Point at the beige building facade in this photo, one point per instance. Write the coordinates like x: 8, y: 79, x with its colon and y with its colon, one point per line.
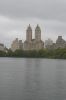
x: 48, y: 43
x: 29, y: 43
x: 33, y: 44
x: 16, y: 44
x: 60, y: 43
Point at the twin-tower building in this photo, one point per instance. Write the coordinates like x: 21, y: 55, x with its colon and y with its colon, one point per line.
x: 33, y: 44
x: 29, y: 43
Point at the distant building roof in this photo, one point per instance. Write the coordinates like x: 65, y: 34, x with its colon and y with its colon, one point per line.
x: 60, y: 40
x: 37, y: 27
x: 1, y: 44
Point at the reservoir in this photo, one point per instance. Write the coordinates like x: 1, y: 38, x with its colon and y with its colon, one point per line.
x: 32, y: 79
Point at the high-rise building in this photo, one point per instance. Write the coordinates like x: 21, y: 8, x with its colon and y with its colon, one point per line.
x: 33, y: 44
x: 60, y: 40
x: 48, y: 43
x: 60, y: 43
x: 16, y: 44
x: 29, y: 43
x: 38, y: 33
x: 29, y: 34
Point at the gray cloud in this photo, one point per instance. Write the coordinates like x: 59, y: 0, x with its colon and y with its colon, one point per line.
x: 46, y: 9
x: 15, y: 15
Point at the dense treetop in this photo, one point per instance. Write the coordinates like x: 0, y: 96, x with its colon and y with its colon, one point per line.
x: 44, y: 53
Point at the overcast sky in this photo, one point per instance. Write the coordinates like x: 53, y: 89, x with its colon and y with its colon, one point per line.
x: 16, y: 15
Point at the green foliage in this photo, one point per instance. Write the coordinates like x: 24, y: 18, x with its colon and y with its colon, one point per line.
x: 9, y: 53
x: 2, y: 54
x: 44, y: 53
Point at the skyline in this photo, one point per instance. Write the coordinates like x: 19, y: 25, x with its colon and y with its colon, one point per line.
x: 16, y: 15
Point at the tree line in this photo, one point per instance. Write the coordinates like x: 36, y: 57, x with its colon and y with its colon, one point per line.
x: 44, y: 53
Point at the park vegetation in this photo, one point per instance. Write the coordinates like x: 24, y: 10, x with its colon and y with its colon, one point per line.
x: 44, y: 53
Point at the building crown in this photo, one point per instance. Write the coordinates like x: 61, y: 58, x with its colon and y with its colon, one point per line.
x: 37, y: 27
x: 29, y: 28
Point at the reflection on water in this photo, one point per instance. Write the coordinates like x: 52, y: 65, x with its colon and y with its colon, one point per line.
x: 60, y: 93
x: 32, y: 79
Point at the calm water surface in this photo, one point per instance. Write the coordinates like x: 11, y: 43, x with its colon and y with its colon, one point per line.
x: 32, y: 79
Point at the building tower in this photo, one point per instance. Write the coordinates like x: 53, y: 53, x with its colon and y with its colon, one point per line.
x: 37, y: 33
x: 29, y: 34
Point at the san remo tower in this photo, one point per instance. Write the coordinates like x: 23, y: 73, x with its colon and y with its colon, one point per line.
x: 29, y: 34
x: 33, y: 44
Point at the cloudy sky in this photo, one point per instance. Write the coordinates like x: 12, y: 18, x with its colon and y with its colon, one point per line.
x: 16, y: 15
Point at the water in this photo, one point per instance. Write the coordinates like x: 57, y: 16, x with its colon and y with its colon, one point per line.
x: 32, y: 79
